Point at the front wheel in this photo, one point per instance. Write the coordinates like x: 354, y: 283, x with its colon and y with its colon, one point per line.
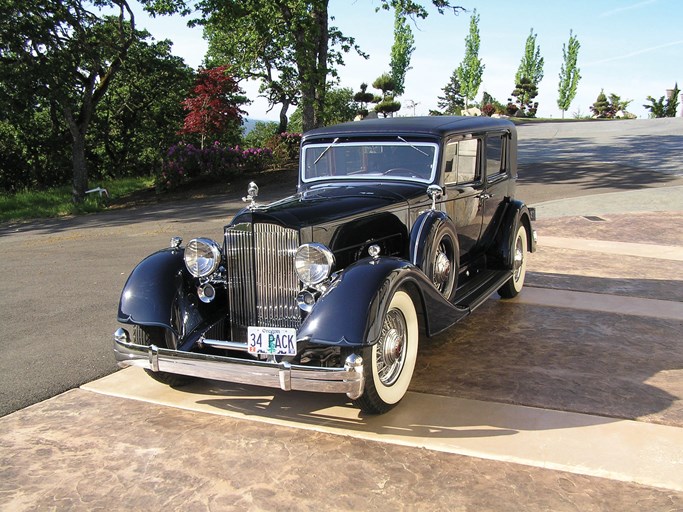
x: 389, y: 363
x: 514, y: 285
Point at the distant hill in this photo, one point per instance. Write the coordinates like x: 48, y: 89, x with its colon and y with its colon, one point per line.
x: 249, y: 124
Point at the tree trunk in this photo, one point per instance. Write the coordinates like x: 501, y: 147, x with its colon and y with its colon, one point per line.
x: 80, y: 169
x: 283, y: 116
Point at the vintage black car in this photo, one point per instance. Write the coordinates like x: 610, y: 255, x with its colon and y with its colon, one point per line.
x: 398, y: 229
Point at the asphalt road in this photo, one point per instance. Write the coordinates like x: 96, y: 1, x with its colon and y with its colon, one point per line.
x: 62, y: 277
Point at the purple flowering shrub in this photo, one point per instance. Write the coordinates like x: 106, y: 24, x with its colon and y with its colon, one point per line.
x: 285, y: 147
x: 183, y: 162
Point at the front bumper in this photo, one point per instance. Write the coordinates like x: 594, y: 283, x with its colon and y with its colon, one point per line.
x: 286, y: 376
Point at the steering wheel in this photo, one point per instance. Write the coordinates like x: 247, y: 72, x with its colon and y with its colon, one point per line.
x: 400, y: 171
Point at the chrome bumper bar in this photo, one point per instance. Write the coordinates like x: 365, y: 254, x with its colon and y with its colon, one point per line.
x: 286, y: 376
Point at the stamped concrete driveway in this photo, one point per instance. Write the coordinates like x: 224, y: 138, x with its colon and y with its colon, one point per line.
x: 62, y: 277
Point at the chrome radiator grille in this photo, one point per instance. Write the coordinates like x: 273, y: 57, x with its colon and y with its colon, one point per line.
x: 262, y: 282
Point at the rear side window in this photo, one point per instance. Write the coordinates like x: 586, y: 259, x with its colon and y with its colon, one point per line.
x: 495, y: 156
x: 461, y: 161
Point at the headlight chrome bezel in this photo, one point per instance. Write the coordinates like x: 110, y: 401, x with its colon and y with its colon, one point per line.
x: 313, y: 263
x: 202, y: 257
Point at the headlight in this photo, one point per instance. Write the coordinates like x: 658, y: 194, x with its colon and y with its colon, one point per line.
x: 313, y: 263
x: 202, y: 257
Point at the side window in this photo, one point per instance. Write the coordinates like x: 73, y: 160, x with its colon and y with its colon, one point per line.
x: 495, y: 162
x: 461, y: 161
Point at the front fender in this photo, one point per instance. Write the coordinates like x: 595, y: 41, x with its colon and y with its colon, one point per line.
x: 148, y: 295
x: 351, y: 311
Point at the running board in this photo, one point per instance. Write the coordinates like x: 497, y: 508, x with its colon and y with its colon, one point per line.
x: 474, y: 293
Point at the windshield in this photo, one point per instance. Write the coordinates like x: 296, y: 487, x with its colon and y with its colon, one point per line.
x: 369, y: 160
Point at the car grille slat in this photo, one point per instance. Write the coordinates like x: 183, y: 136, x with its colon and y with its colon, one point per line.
x: 262, y: 282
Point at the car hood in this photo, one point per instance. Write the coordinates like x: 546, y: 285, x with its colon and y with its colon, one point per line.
x: 326, y: 203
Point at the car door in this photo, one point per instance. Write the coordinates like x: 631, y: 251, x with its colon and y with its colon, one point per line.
x: 496, y: 182
x: 463, y: 185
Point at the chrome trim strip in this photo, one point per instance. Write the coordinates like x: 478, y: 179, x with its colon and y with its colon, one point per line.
x: 227, y: 345
x: 283, y: 375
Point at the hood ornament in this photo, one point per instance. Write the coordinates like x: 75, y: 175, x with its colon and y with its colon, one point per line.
x: 252, y: 194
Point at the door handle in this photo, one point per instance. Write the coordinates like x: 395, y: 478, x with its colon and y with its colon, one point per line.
x: 485, y: 195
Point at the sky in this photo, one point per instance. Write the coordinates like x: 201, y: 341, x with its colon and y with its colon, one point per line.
x: 633, y: 49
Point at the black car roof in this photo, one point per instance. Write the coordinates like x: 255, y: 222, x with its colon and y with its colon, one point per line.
x: 425, y: 126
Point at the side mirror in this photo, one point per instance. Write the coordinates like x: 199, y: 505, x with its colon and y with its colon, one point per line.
x: 434, y: 192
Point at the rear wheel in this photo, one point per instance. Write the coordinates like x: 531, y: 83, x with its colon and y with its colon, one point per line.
x: 162, y: 338
x: 389, y: 363
x: 514, y: 285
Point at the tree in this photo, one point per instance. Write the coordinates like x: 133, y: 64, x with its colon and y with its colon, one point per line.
x: 661, y: 108
x: 70, y: 56
x: 601, y: 106
x: 452, y: 102
x: 243, y: 38
x: 529, y: 75
x: 569, y: 74
x: 531, y: 65
x: 213, y: 109
x: 401, y: 51
x: 139, y: 117
x: 387, y: 104
x: 302, y: 29
x: 340, y: 107
x: 471, y: 69
x: 525, y: 91
x: 362, y: 98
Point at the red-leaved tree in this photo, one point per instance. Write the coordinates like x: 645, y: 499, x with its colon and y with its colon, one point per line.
x: 213, y: 109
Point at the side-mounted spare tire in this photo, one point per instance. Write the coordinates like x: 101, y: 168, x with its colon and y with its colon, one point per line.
x: 436, y: 253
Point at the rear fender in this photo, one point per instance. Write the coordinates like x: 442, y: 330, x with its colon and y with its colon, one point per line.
x: 517, y: 214
x: 351, y: 311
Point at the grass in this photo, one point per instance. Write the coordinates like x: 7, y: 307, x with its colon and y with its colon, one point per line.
x: 56, y: 202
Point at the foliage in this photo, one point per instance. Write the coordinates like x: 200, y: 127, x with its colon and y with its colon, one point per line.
x: 66, y: 56
x: 299, y: 29
x: 213, y: 108
x: 401, y: 51
x: 262, y: 132
x: 569, y: 73
x: 362, y: 98
x: 471, y: 69
x: 528, y: 76
x: 386, y: 104
x: 339, y: 107
x: 525, y: 91
x: 662, y: 108
x: 488, y: 100
x: 601, y: 105
x: 285, y: 148
x: 531, y: 65
x: 183, y: 162
x: 138, y: 118
x: 452, y: 102
x: 609, y: 107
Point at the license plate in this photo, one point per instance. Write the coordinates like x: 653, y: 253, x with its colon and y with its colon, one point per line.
x: 271, y: 340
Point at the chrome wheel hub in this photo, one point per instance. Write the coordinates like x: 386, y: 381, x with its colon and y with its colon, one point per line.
x: 519, y: 258
x: 391, y: 351
x: 442, y: 269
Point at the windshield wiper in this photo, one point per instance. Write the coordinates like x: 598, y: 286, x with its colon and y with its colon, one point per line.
x: 325, y: 150
x: 414, y: 147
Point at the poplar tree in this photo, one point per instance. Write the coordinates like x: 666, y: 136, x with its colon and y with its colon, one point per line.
x: 569, y: 74
x: 401, y: 51
x: 471, y: 69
